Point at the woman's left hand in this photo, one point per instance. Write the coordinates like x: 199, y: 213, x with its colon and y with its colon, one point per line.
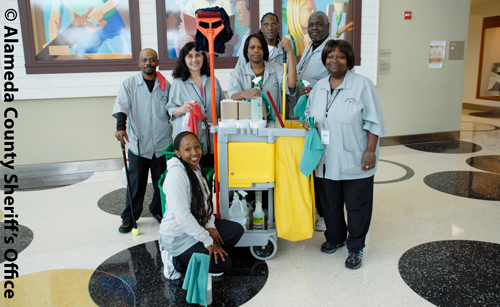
x: 214, y: 233
x: 369, y: 159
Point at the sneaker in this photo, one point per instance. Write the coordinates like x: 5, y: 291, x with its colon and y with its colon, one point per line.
x: 330, y: 248
x: 353, y: 260
x: 126, y: 227
x: 169, y: 270
x: 158, y: 217
x: 320, y: 224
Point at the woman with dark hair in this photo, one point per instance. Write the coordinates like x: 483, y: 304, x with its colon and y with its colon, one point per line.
x: 192, y: 84
x: 189, y: 226
x: 348, y: 114
x: 256, y: 54
x: 269, y: 28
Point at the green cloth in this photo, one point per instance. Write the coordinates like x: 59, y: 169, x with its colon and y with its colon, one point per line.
x: 196, y: 279
x: 300, y: 108
x: 270, y: 110
x: 313, y: 150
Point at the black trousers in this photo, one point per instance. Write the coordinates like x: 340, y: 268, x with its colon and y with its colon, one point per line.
x: 230, y: 233
x: 138, y: 176
x: 357, y: 195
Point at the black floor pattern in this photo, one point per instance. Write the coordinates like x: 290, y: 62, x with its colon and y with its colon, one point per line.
x: 448, y: 147
x: 114, y: 201
x: 133, y: 277
x: 22, y: 239
x: 48, y: 182
x: 485, y: 163
x: 476, y: 185
x: 488, y: 114
x: 454, y: 273
x: 478, y: 127
x: 409, y: 173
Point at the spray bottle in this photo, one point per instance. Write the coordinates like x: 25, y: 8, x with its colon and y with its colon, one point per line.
x: 237, y: 213
x: 256, y: 105
x: 258, y: 214
x: 185, y: 120
x: 244, y: 204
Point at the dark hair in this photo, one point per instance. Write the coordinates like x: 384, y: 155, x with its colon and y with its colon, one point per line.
x: 182, y: 71
x: 263, y: 42
x: 344, y: 47
x: 277, y: 20
x: 200, y: 213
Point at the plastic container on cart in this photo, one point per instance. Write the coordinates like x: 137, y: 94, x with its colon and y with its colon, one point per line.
x: 258, y: 217
x: 238, y: 213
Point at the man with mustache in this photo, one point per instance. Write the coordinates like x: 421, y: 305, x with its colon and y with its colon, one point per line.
x: 142, y: 99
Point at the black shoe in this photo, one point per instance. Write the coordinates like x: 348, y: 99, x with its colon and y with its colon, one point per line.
x: 353, y: 260
x: 158, y: 217
x: 330, y: 248
x: 126, y: 227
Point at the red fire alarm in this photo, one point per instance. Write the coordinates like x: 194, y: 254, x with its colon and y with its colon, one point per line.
x: 407, y: 14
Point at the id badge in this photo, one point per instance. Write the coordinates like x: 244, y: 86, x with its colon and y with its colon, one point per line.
x: 325, y: 136
x: 203, y: 126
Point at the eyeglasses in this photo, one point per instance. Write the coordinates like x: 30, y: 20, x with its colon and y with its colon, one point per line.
x: 270, y: 25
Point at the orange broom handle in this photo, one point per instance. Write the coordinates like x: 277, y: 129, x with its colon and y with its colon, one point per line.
x: 210, y: 34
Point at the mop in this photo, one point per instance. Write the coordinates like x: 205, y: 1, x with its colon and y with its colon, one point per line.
x: 211, y: 17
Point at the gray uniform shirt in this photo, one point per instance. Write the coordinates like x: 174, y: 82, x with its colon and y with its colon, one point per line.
x: 149, y: 127
x: 310, y: 66
x: 182, y: 91
x: 353, y: 110
x: 242, y: 76
x: 275, y: 56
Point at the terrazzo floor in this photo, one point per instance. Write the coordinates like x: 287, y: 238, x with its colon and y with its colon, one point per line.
x: 431, y: 242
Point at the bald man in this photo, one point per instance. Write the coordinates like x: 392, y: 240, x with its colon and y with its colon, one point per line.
x: 142, y: 99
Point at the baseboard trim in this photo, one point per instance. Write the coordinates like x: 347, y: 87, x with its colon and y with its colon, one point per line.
x: 479, y: 107
x: 419, y: 138
x: 52, y: 169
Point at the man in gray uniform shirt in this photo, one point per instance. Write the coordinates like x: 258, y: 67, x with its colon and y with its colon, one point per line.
x: 311, y: 67
x: 142, y: 99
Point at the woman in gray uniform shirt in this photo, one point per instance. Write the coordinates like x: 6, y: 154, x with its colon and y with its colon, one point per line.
x: 256, y: 54
x: 192, y: 83
x: 347, y: 112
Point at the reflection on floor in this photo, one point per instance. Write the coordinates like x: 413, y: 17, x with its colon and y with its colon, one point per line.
x: 435, y: 219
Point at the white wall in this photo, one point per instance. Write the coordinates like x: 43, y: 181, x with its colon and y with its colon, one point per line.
x: 415, y: 98
x: 479, y: 10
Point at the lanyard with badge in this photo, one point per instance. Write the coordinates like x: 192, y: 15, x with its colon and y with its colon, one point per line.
x: 304, y: 64
x: 325, y: 132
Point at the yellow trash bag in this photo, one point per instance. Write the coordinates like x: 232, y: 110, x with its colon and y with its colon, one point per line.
x: 294, y: 193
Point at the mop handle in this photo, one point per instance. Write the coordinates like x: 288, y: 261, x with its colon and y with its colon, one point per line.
x: 275, y: 109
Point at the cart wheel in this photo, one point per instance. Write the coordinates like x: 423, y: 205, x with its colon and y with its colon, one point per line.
x: 265, y: 252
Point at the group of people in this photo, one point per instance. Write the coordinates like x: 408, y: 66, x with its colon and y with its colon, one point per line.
x: 155, y: 109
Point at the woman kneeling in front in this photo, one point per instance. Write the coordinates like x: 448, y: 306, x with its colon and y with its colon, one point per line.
x: 189, y: 226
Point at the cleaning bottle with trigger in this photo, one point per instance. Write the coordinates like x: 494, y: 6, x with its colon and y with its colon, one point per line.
x: 237, y: 213
x: 258, y: 214
x: 244, y: 204
x: 185, y: 120
x: 256, y: 106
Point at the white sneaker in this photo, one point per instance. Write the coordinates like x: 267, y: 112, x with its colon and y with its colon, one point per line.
x: 169, y: 270
x: 320, y: 224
